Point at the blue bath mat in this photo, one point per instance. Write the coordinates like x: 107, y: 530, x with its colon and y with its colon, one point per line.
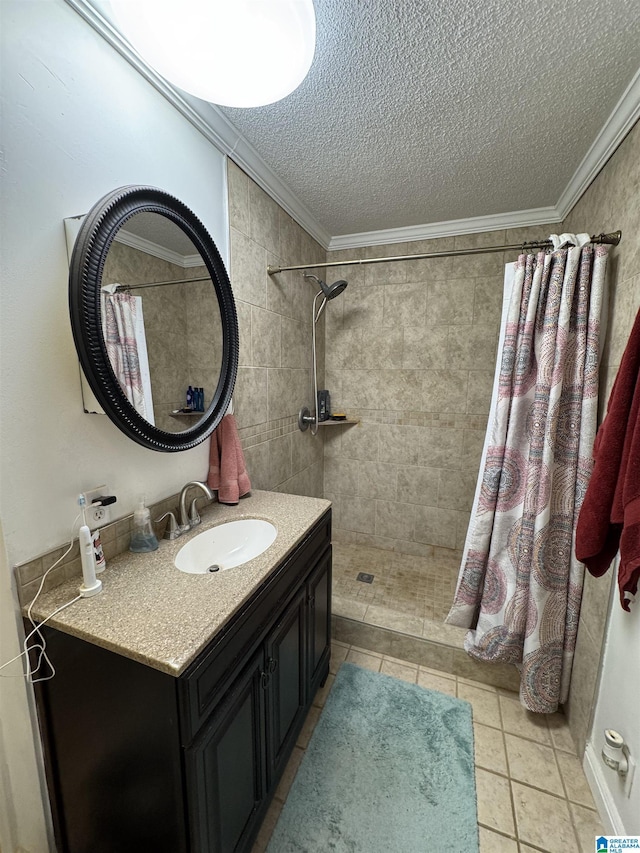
x: 389, y: 769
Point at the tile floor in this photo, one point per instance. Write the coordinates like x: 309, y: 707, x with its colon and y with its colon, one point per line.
x: 532, y: 792
x: 408, y: 594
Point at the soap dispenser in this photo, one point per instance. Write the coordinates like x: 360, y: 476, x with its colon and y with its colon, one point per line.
x: 142, y: 538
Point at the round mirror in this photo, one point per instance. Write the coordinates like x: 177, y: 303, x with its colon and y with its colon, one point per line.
x: 153, y: 318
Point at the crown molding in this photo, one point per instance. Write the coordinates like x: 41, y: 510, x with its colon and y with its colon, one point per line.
x: 448, y: 228
x: 151, y: 248
x: 625, y: 114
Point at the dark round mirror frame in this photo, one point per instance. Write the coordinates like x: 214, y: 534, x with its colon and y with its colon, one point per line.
x: 90, y: 251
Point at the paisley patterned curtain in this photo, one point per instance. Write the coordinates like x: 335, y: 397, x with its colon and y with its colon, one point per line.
x: 520, y: 585
x: 120, y: 334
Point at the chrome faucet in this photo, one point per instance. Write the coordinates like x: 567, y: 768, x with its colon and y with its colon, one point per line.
x: 191, y: 520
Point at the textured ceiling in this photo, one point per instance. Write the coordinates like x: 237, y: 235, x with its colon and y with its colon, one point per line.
x: 419, y: 112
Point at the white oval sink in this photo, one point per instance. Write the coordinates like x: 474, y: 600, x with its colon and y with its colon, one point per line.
x: 225, y: 546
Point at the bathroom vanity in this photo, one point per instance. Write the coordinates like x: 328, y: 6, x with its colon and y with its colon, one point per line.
x: 163, y: 732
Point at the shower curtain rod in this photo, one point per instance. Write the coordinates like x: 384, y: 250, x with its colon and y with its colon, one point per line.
x: 161, y: 283
x: 611, y: 239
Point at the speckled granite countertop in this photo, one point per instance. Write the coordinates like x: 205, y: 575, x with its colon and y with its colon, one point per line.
x: 153, y: 613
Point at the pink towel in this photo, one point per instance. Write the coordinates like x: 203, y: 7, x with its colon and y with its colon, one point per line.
x: 227, y: 469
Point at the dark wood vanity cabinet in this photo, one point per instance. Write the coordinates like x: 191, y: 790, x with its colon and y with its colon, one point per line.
x: 190, y: 763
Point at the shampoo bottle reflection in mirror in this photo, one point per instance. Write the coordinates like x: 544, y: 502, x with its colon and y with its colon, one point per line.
x: 190, y: 397
x: 142, y: 537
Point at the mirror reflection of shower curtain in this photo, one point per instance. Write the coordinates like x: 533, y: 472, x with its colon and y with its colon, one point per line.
x: 123, y: 329
x: 520, y: 585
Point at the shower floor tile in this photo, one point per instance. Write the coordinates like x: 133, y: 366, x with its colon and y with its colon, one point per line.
x: 405, y: 591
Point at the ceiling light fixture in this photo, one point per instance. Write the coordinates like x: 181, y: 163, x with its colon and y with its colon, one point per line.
x: 236, y: 53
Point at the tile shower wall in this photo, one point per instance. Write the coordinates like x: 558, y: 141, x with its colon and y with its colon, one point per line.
x: 178, y: 321
x: 411, y: 350
x: 274, y: 316
x: 611, y: 202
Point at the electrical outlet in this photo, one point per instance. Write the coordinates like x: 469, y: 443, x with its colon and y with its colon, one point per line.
x: 96, y: 515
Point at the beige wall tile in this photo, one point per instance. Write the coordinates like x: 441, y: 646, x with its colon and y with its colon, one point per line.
x: 280, y: 463
x: 487, y: 301
x: 360, y: 442
x: 250, y: 396
x: 281, y: 292
x: 243, y: 310
x: 444, y: 391
x: 265, y: 337
x: 295, y: 343
x: 341, y: 476
x: 450, y: 302
x: 441, y: 447
x: 238, y: 197
x: 418, y: 485
x: 480, y: 389
x: 358, y: 514
x: 382, y: 349
x: 425, y: 348
x: 288, y: 390
x: 377, y: 480
x: 363, y: 306
x: 399, y: 444
x: 469, y: 347
x: 248, y: 269
x: 404, y: 305
x: 456, y: 490
x: 393, y: 273
x: 263, y: 219
x: 257, y: 461
x: 435, y: 526
x: 394, y: 520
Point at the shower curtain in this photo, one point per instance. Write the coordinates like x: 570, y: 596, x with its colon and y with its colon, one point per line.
x: 123, y: 329
x: 520, y: 585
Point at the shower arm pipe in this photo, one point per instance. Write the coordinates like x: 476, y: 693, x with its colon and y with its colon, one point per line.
x: 611, y: 239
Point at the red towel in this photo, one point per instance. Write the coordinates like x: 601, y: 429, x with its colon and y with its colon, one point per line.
x: 610, y: 514
x: 227, y: 468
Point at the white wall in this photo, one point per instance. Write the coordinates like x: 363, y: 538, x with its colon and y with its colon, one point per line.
x: 617, y: 707
x: 78, y: 121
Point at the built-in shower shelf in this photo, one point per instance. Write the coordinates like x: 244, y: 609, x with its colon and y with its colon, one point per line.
x: 340, y: 422
x: 186, y: 414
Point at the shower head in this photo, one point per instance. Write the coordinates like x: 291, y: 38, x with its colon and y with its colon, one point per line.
x: 335, y: 289
x: 330, y: 290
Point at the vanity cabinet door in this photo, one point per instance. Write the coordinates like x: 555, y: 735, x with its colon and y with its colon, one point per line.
x: 286, y: 667
x: 319, y: 608
x: 226, y: 767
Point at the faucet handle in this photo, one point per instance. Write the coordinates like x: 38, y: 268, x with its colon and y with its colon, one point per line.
x: 172, y: 531
x: 194, y: 515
